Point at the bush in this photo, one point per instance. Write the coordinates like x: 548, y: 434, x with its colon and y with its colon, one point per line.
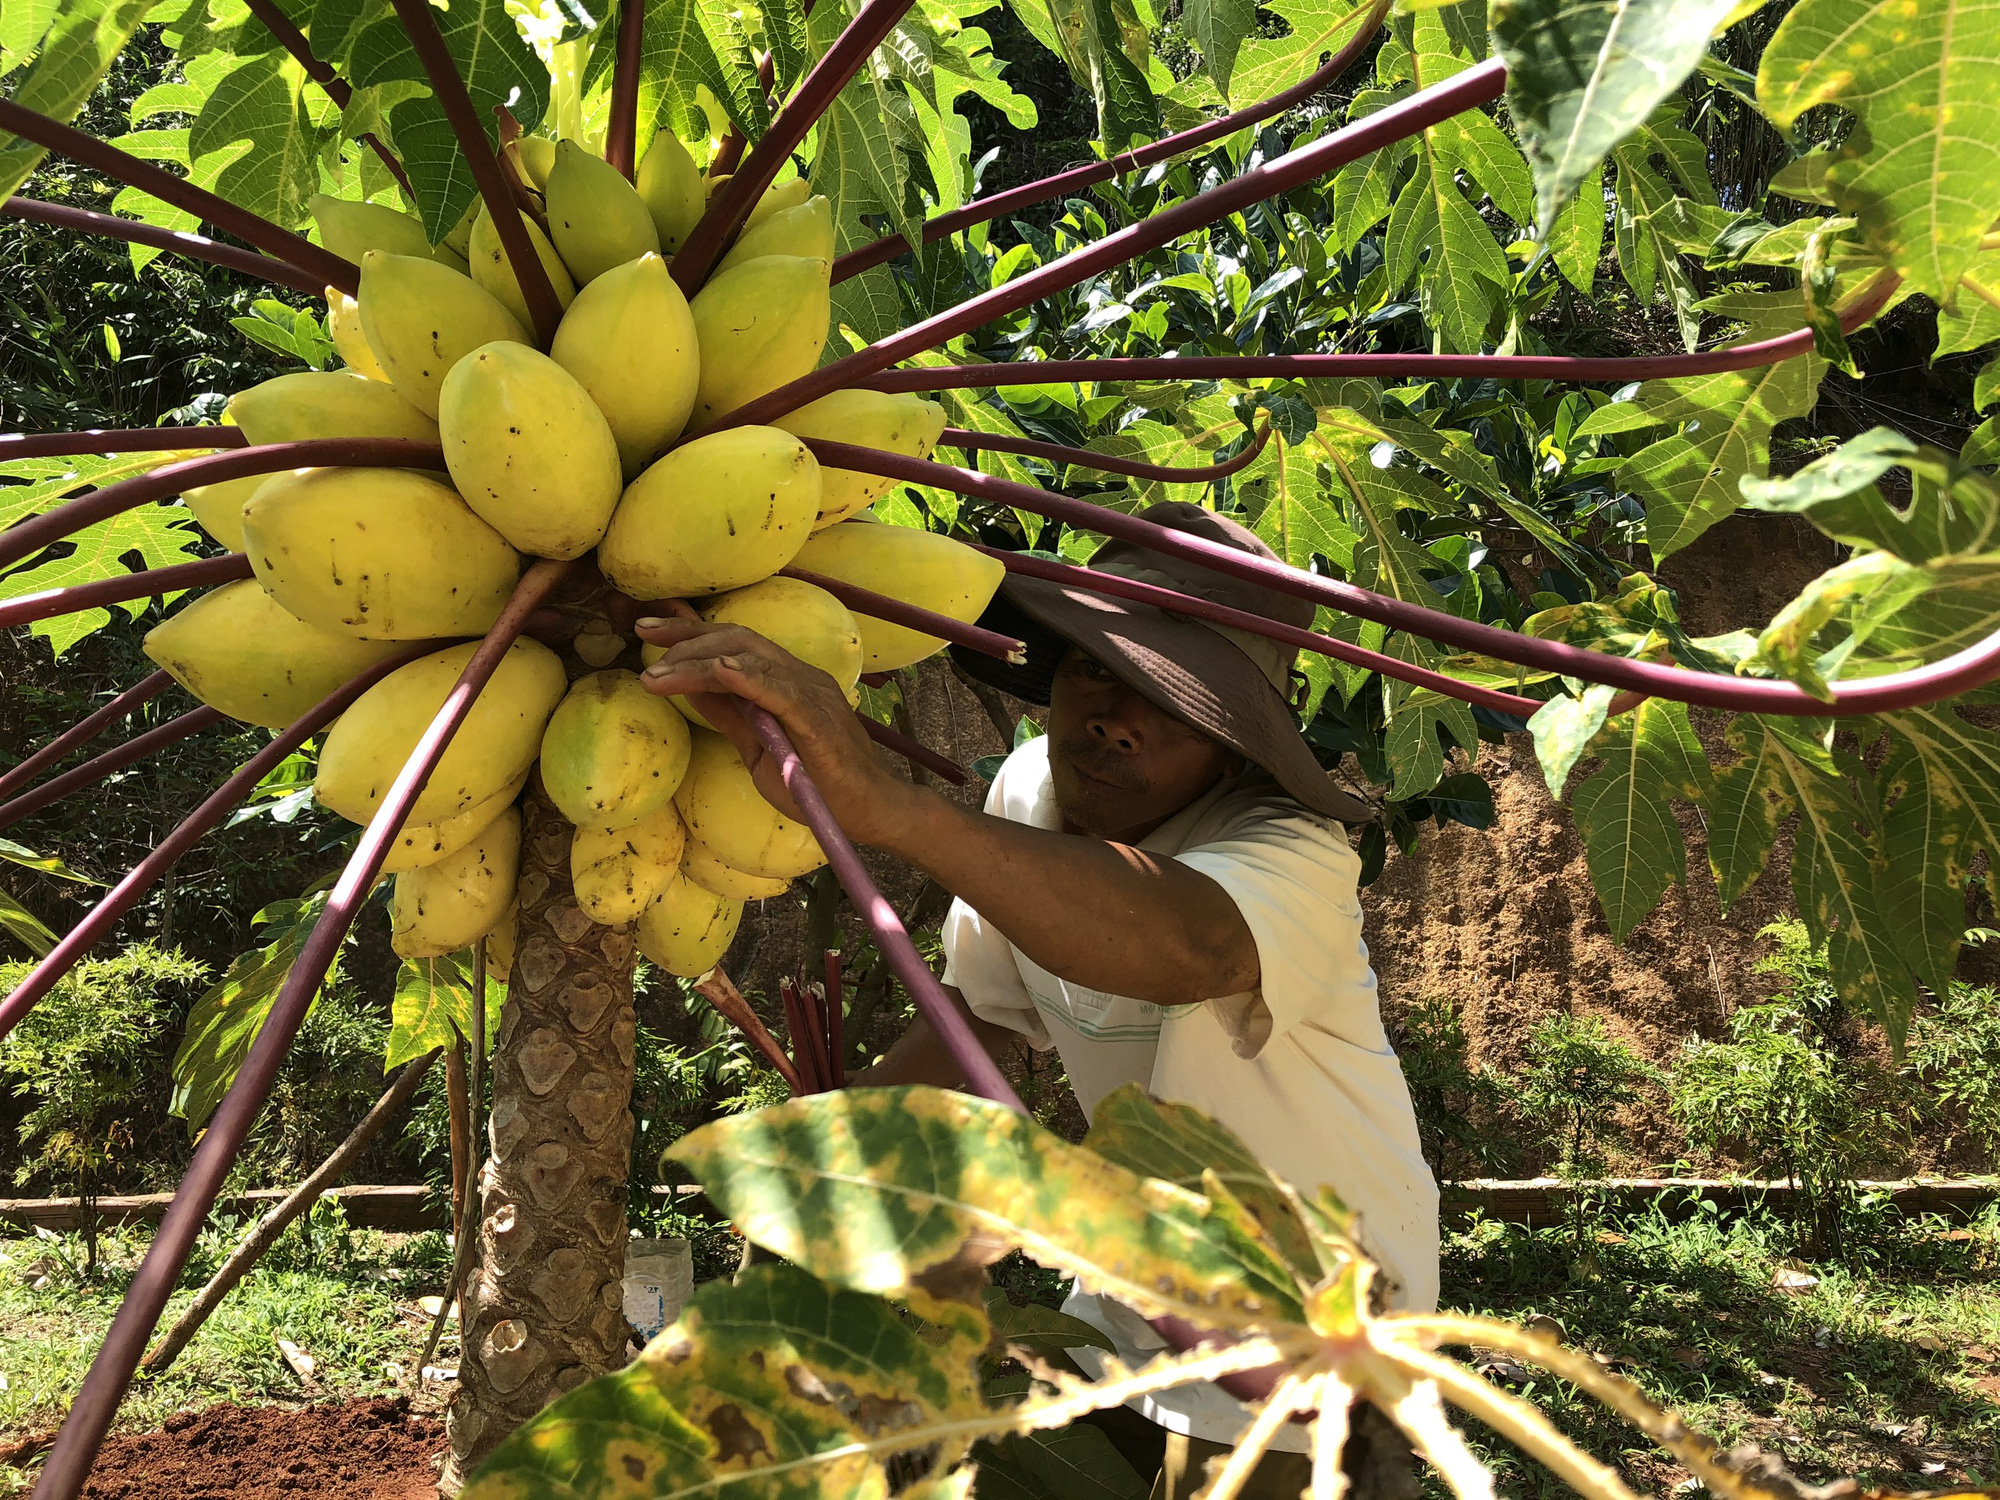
x: 1954, y: 1052
x: 1455, y: 1101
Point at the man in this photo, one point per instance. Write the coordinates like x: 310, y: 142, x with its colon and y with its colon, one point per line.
x: 1160, y: 888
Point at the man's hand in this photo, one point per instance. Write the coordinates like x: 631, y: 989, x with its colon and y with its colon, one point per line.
x: 718, y: 666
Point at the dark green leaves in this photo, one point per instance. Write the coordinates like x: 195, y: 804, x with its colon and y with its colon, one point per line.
x: 1584, y: 74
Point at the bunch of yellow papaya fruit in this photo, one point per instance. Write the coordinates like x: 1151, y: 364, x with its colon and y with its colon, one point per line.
x: 597, y: 443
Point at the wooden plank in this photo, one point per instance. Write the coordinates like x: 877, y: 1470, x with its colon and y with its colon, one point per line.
x: 403, y: 1208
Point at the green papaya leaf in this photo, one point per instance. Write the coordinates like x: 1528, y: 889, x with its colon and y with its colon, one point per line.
x: 67, y: 48
x: 433, y: 1008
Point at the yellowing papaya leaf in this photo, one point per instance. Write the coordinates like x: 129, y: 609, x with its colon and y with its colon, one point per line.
x: 432, y: 1008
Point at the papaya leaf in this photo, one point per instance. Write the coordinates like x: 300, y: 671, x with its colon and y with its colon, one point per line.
x: 433, y: 1008
x: 47, y: 864
x: 1077, y: 1462
x: 1631, y: 843
x: 688, y: 48
x: 1922, y: 169
x: 859, y: 167
x: 1563, y: 729
x: 155, y: 533
x: 25, y: 927
x: 1041, y: 1330
x: 66, y: 48
x: 1218, y: 28
x: 1266, y: 64
x: 1582, y: 75
x: 888, y: 1190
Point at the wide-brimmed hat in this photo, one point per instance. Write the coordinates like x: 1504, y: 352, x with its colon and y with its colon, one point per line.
x: 1233, y: 686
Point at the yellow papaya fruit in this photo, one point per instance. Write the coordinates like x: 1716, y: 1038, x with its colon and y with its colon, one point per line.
x: 343, y: 326
x: 670, y: 184
x: 494, y: 272
x: 455, y: 902
x: 905, y: 424
x: 616, y: 875
x: 629, y: 340
x: 528, y: 450
x: 383, y: 554
x: 326, y: 404
x: 350, y: 230
x: 421, y: 318
x: 236, y: 650
x: 687, y: 930
x: 597, y: 218
x: 806, y: 621
x: 778, y: 197
x: 493, y: 748
x: 613, y: 753
x: 706, y: 869
x: 806, y: 230
x: 501, y: 942
x: 710, y: 186
x: 714, y: 514
x: 759, y: 326
x: 218, y: 508
x: 420, y: 844
x: 453, y: 250
x: 919, y: 567
x: 723, y: 809
x: 534, y: 154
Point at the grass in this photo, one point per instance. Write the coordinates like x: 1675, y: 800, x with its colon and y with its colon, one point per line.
x: 347, y: 1298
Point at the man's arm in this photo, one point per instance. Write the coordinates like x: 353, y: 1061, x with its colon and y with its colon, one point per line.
x: 1106, y: 916
x: 919, y: 1057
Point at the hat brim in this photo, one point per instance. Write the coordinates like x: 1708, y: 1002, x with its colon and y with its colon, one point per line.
x: 1180, y: 666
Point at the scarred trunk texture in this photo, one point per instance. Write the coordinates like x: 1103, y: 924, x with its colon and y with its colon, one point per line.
x: 543, y: 1311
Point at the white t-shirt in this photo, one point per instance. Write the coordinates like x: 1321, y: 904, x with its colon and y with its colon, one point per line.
x: 1299, y: 1068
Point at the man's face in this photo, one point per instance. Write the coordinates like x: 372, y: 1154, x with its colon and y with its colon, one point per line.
x: 1121, y: 766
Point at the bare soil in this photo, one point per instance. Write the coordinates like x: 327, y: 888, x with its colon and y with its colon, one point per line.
x: 351, y: 1450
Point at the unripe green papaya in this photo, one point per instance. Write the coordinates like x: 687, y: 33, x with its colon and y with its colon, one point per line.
x: 494, y: 272
x: 629, y: 340
x: 687, y: 930
x: 455, y: 902
x: 383, y: 554
x: 235, y: 649
x: 723, y: 809
x: 806, y: 230
x: 350, y: 230
x: 535, y: 154
x: 529, y: 450
x: 326, y: 404
x: 597, y: 218
x: 493, y: 748
x: 501, y: 942
x: 760, y: 326
x: 905, y: 424
x: 714, y: 514
x: 919, y: 567
x: 421, y: 318
x: 706, y: 869
x: 797, y: 617
x: 420, y: 844
x: 670, y: 183
x: 613, y: 753
x: 617, y: 875
x: 778, y: 197
x: 343, y: 326
x: 218, y: 508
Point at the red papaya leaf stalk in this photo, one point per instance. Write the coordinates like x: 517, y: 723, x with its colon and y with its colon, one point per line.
x: 178, y: 242
x: 915, y: 616
x: 52, y: 602
x: 914, y: 751
x: 1084, y: 458
x: 98, y: 767
x: 29, y: 537
x: 325, y: 267
x: 335, y: 87
x: 84, y: 730
x: 621, y: 134
x: 19, y: 445
x: 89, y: 1418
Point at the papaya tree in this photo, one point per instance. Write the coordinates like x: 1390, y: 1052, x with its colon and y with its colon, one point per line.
x: 639, y: 311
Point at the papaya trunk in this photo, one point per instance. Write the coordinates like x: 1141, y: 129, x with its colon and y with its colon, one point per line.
x: 542, y: 1311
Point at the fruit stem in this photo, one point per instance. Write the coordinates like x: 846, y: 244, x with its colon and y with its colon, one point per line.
x: 105, y: 440
x: 98, y: 767
x: 1958, y: 673
x: 420, y: 22
x: 89, y: 1418
x: 914, y: 617
x: 335, y: 87
x: 125, y: 586
x: 85, y: 730
x: 1072, y: 576
x: 29, y: 537
x: 621, y: 136
x: 982, y: 1074
x: 1083, y: 458
x: 732, y: 203
x: 178, y: 242
x: 865, y: 257
x: 326, y: 268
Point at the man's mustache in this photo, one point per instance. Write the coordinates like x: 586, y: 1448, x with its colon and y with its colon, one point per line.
x: 1084, y: 754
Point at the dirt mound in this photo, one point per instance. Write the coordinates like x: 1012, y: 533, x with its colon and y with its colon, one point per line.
x: 350, y: 1450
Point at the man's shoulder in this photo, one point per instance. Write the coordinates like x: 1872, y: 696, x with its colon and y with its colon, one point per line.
x: 1257, y: 819
x: 1021, y: 787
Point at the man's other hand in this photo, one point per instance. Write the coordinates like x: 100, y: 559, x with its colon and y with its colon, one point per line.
x: 716, y: 666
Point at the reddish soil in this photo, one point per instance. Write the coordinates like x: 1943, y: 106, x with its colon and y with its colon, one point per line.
x: 350, y: 1450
